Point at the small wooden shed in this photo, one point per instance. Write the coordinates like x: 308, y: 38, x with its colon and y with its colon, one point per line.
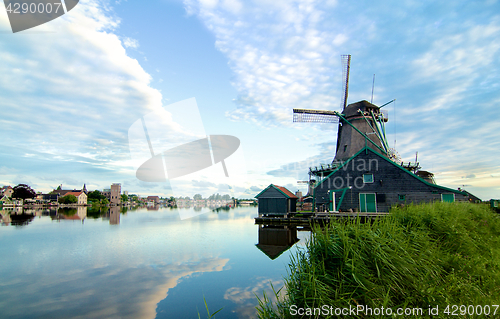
x: 276, y: 201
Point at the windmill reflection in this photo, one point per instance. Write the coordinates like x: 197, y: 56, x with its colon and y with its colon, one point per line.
x: 274, y: 240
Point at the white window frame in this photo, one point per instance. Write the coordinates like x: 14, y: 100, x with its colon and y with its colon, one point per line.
x: 365, y: 182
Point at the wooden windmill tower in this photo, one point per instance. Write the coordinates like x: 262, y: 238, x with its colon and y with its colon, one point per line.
x: 360, y: 124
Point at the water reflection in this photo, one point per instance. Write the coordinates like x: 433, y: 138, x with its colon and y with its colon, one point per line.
x: 152, y: 265
x: 153, y: 207
x: 274, y: 240
x: 222, y: 209
x: 68, y: 213
x: 97, y: 212
x: 20, y: 219
x: 19, y: 216
x: 244, y: 297
x: 114, y: 215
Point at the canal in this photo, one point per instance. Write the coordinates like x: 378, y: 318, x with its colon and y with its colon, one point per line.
x: 144, y: 263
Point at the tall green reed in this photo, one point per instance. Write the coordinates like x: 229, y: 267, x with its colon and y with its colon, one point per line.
x: 418, y: 256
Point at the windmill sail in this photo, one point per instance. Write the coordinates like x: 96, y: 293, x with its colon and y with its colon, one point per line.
x: 315, y: 116
x: 346, y: 65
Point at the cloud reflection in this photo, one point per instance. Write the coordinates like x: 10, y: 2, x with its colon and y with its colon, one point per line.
x: 105, y: 292
x: 245, y: 298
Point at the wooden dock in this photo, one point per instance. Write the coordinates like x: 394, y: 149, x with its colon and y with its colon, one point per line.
x: 309, y: 218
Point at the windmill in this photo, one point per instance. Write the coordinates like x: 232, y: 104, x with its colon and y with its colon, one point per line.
x: 360, y: 124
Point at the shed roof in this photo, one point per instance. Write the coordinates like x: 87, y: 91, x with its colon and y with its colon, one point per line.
x: 273, y: 251
x: 281, y: 189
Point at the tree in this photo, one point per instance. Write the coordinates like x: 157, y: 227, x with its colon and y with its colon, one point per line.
x: 23, y: 191
x: 96, y: 196
x: 124, y: 198
x: 197, y: 197
x: 68, y: 199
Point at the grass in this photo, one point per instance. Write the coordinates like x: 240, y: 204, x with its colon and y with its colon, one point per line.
x: 208, y: 311
x: 418, y: 256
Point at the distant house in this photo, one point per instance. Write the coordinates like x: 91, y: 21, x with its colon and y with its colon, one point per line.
x: 46, y: 198
x: 62, y: 192
x: 50, y: 198
x: 246, y: 202
x: 154, y: 199
x: 80, y: 196
x: 7, y: 191
x: 276, y: 200
x: 5, y: 200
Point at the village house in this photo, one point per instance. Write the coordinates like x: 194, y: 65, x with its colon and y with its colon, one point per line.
x: 7, y: 201
x: 61, y: 192
x: 153, y: 199
x: 80, y: 196
x: 7, y: 191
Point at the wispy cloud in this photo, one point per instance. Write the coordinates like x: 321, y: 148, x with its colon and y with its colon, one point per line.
x: 71, y: 92
x: 279, y: 52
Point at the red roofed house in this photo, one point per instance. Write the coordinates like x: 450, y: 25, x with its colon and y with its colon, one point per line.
x: 276, y: 201
x: 80, y: 195
x: 154, y: 199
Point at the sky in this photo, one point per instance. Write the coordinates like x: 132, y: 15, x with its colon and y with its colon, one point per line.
x: 71, y: 89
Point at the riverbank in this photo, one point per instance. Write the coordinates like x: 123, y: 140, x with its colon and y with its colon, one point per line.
x: 419, y: 257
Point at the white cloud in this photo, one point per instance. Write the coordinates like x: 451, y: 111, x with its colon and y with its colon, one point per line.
x: 130, y: 43
x: 70, y: 90
x: 279, y: 54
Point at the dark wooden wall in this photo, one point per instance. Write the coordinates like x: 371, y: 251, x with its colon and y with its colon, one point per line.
x: 389, y: 182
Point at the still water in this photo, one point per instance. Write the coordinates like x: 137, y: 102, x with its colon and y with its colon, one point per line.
x: 139, y: 263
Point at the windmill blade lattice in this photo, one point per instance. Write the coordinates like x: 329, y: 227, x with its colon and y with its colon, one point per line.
x: 346, y: 66
x: 314, y: 116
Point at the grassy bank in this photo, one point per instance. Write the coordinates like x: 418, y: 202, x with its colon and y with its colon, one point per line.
x: 432, y: 254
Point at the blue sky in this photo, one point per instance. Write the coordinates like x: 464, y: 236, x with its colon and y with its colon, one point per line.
x: 70, y: 89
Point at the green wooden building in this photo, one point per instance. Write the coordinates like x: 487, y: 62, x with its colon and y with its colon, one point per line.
x: 276, y: 201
